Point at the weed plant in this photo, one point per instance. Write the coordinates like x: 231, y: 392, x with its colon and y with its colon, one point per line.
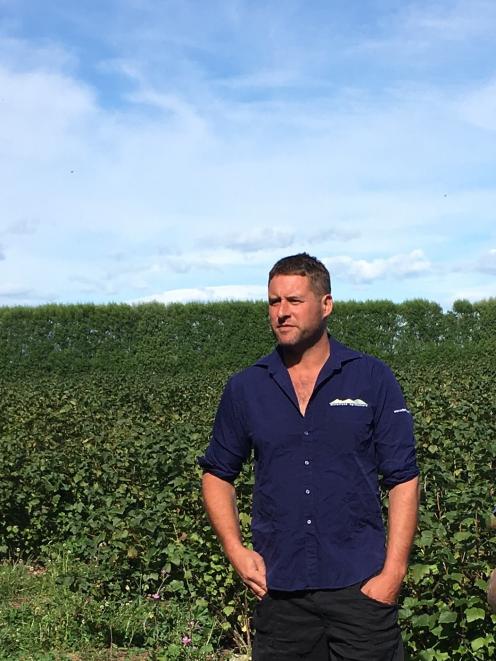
x: 41, y: 619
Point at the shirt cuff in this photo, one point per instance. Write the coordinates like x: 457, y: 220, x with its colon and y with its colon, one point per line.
x: 207, y: 467
x: 399, y: 477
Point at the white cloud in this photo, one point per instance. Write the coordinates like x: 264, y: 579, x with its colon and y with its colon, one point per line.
x: 422, y: 28
x: 205, y: 294
x: 265, y: 239
x: 336, y: 234
x: 186, y: 263
x: 484, y: 263
x: 252, y: 240
x: 216, y: 259
x: 456, y: 21
x: 20, y: 55
x: 479, y: 106
x: 24, y: 226
x: 271, y: 79
x: 396, y: 266
x: 42, y: 113
x: 487, y: 263
x: 173, y: 106
x: 10, y: 290
x: 474, y: 293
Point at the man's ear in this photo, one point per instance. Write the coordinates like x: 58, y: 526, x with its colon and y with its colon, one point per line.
x: 327, y: 305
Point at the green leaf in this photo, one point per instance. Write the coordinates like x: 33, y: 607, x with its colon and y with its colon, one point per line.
x: 426, y: 655
x: 447, y: 616
x: 426, y: 538
x: 473, y: 614
x: 417, y: 572
x: 477, y: 644
x: 423, y: 621
x: 457, y: 577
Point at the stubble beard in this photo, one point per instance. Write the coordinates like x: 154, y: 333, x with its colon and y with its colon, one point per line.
x: 300, y: 342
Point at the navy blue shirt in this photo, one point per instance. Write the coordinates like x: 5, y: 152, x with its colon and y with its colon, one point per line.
x: 316, y: 514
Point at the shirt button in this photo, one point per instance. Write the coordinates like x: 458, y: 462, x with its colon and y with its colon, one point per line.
x: 306, y: 462
x: 307, y: 491
x: 306, y: 433
x: 309, y: 521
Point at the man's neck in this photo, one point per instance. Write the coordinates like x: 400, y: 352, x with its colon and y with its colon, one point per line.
x: 310, y: 358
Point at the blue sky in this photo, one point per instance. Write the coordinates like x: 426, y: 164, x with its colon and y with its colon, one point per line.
x: 174, y: 150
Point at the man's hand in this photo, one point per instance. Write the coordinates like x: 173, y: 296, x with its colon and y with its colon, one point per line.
x: 402, y: 523
x: 251, y: 568
x: 220, y: 502
x: 384, y: 587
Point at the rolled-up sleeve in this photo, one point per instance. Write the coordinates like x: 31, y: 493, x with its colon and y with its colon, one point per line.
x: 393, y: 430
x: 230, y: 444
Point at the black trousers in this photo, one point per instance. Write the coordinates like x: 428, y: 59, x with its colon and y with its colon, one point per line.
x: 326, y: 625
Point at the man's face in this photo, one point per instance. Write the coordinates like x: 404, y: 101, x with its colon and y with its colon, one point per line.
x: 298, y: 316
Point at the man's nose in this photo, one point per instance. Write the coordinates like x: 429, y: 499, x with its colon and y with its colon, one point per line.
x: 283, y: 310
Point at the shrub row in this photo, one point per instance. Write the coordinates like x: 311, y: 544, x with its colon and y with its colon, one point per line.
x: 68, y: 339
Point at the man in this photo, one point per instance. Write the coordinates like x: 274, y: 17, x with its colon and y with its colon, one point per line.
x: 323, y: 422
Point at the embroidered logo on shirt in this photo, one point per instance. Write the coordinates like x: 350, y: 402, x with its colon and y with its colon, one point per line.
x: 401, y: 411
x: 348, y: 402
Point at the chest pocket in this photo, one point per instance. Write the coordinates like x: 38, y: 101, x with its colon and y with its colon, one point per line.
x: 349, y: 427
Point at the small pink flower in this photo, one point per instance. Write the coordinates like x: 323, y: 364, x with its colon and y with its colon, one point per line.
x: 155, y: 596
x: 186, y: 640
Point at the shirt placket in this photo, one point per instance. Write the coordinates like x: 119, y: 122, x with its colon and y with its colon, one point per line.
x: 308, y: 494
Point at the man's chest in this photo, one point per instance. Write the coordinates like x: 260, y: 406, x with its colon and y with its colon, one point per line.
x: 338, y: 417
x: 303, y: 385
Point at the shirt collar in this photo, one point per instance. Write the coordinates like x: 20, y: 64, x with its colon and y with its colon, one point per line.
x: 339, y: 355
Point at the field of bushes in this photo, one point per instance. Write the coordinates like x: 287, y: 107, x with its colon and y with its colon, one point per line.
x: 104, y: 546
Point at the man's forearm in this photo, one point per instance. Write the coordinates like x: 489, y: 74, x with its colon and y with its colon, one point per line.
x: 219, y: 498
x: 402, y: 525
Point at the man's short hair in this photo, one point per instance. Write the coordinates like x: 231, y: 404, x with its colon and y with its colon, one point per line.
x: 304, y: 264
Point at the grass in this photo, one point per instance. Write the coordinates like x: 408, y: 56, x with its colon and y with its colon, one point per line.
x: 42, y: 619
